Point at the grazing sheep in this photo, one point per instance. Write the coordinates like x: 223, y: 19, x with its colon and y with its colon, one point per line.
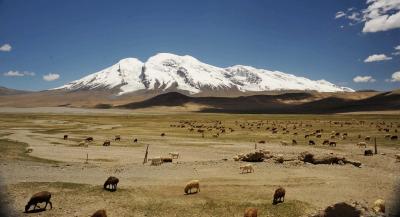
x: 117, y: 138
x: 157, y: 161
x: 82, y: 144
x: 112, y: 182
x: 248, y: 168
x: 397, y: 156
x: 261, y: 141
x: 367, y: 138
x: 89, y: 139
x: 368, y: 152
x: 279, y: 195
x: 40, y: 197
x: 318, y: 135
x: 306, y: 136
x: 107, y: 143
x: 174, y: 155
x: 135, y: 140
x: 387, y: 136
x: 28, y: 149
x: 379, y: 206
x: 311, y: 142
x: 250, y: 212
x: 162, y: 134
x: 294, y: 142
x: 65, y: 137
x: 394, y: 138
x: 362, y: 144
x: 100, y: 213
x: 284, y: 143
x: 325, y: 142
x: 332, y: 144
x: 191, y: 185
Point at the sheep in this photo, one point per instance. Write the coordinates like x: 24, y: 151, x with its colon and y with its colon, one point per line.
x: 311, y: 142
x: 89, y: 139
x: 318, y: 135
x: 250, y: 212
x: 394, y: 137
x: 294, y: 142
x: 387, y: 136
x: 248, y: 168
x: 261, y: 141
x: 40, y: 197
x: 332, y: 143
x: 117, y: 138
x: 284, y: 143
x: 65, y: 137
x: 191, y: 185
x: 107, y: 143
x: 100, y: 213
x: 306, y: 136
x: 135, y: 140
x: 162, y: 134
x: 156, y: 161
x: 279, y: 195
x: 397, y: 156
x: 362, y: 144
x: 174, y: 155
x: 379, y: 206
x: 28, y: 149
x: 368, y: 152
x: 325, y: 142
x: 112, y: 182
x: 367, y: 138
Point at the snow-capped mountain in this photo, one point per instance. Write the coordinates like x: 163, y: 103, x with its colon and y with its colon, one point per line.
x: 166, y: 71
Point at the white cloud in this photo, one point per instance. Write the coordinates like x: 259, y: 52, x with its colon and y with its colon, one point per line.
x: 376, y: 58
x: 397, y: 47
x: 339, y: 14
x: 380, y: 15
x: 51, y: 77
x: 395, y: 77
x: 363, y: 79
x: 6, y: 48
x: 18, y: 74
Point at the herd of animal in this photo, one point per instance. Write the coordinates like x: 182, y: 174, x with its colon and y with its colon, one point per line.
x: 217, y: 128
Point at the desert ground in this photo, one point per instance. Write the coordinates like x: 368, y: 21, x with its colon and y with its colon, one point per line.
x: 75, y: 173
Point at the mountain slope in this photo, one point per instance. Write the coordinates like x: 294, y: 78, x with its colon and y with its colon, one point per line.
x: 168, y: 72
x: 276, y: 104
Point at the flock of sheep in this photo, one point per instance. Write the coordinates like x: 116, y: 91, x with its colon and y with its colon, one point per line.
x: 216, y: 129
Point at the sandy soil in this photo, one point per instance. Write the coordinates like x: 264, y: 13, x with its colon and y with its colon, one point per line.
x: 315, y: 185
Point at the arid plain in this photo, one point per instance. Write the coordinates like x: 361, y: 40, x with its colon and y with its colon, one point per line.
x: 74, y: 172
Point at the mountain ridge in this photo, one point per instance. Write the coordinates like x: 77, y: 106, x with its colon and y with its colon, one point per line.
x: 170, y: 72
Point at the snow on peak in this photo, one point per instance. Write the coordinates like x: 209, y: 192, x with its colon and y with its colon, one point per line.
x: 165, y: 70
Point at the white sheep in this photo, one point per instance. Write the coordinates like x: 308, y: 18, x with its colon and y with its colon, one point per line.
x: 156, y: 161
x: 362, y: 144
x: 191, y: 185
x: 174, y: 155
x: 248, y: 168
x: 379, y: 206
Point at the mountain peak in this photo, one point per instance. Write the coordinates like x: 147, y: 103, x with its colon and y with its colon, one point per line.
x: 170, y: 72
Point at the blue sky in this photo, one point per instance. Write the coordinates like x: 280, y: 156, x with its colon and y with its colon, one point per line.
x: 70, y: 39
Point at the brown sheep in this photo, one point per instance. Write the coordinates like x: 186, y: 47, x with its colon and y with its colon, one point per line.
x: 162, y: 134
x: 325, y: 142
x: 135, y: 140
x: 294, y: 142
x: 368, y: 152
x: 311, y: 142
x: 113, y: 182
x: 40, y: 197
x: 367, y: 138
x: 250, y: 212
x: 107, y: 143
x: 100, y: 213
x: 394, y: 138
x: 332, y: 144
x: 190, y: 185
x: 65, y: 137
x: 261, y: 141
x: 279, y: 195
x: 117, y: 138
x: 89, y: 139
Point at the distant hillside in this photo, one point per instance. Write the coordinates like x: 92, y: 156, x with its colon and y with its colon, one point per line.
x: 8, y: 91
x: 296, y: 103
